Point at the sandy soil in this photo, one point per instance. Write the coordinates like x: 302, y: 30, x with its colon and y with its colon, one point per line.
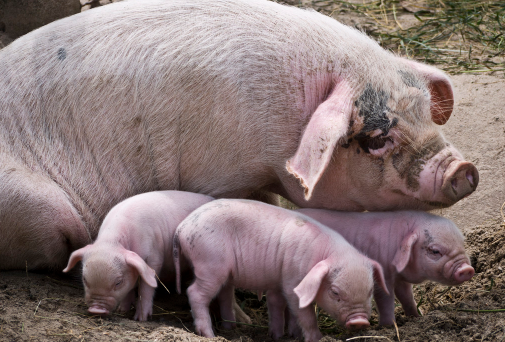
x: 50, y: 307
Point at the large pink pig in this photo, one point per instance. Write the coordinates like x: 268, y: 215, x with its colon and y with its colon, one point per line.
x: 411, y: 246
x: 135, y: 239
x: 228, y: 98
x: 296, y: 260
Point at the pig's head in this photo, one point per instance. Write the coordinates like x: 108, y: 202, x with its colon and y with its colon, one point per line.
x: 343, y: 291
x: 109, y: 273
x: 376, y: 146
x: 433, y: 250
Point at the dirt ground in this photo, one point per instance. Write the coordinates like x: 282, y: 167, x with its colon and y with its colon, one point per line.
x: 50, y: 307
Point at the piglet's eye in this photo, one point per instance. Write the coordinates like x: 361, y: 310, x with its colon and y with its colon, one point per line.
x: 119, y: 282
x: 335, y: 295
x: 434, y: 252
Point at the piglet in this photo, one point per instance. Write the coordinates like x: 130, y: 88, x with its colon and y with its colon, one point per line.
x: 260, y: 247
x: 135, y: 239
x: 411, y: 246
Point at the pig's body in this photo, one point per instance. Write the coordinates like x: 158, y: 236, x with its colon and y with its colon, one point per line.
x: 210, y: 96
x: 410, y: 246
x: 256, y: 246
x: 145, y: 225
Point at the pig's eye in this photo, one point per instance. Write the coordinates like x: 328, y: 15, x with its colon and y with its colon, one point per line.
x: 335, y: 295
x: 119, y: 282
x: 376, y: 143
x: 434, y: 252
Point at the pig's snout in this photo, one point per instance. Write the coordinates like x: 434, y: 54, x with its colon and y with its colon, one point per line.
x: 98, y: 310
x: 357, y: 322
x: 463, y: 273
x: 460, y: 180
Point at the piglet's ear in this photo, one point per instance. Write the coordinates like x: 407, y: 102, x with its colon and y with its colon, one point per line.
x: 378, y: 276
x: 402, y: 256
x: 326, y: 127
x: 442, y: 97
x: 75, y: 257
x: 146, y: 273
x: 308, y: 287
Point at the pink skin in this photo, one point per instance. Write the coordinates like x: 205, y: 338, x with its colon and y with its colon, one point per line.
x: 305, y: 107
x: 135, y: 240
x: 294, y: 259
x: 411, y: 247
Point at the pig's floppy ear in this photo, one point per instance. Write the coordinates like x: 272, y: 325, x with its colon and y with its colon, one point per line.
x: 328, y: 124
x: 146, y: 273
x: 75, y: 257
x: 402, y: 256
x: 378, y: 276
x: 308, y: 287
x: 442, y: 97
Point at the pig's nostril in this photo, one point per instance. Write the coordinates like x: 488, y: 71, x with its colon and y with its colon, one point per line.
x: 469, y: 177
x: 454, y: 184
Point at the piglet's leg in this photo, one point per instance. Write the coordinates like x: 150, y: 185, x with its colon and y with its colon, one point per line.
x: 276, y: 304
x: 240, y: 315
x: 385, y: 305
x: 144, y: 302
x: 403, y: 291
x: 306, y: 318
x: 226, y: 299
x: 294, y: 329
x: 200, y: 293
x: 308, y: 322
x: 127, y: 302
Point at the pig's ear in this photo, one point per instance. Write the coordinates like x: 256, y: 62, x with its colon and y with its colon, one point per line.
x: 75, y: 257
x: 146, y: 273
x: 402, y: 256
x: 378, y: 276
x: 308, y: 287
x: 442, y: 97
x: 328, y: 124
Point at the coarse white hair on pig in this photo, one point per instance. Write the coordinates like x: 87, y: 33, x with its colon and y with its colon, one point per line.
x: 222, y: 97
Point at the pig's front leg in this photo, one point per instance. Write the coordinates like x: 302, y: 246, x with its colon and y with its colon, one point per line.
x: 294, y: 329
x: 403, y: 291
x: 127, y: 302
x: 276, y: 304
x: 306, y: 318
x: 385, y: 305
x: 144, y: 302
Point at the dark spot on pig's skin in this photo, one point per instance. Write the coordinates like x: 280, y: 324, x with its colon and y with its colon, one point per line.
x: 358, y: 151
x: 428, y: 237
x: 372, y: 105
x: 62, y: 54
x: 409, y: 161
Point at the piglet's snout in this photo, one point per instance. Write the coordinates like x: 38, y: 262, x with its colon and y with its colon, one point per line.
x: 463, y: 273
x: 98, y: 310
x: 460, y: 180
x: 357, y: 322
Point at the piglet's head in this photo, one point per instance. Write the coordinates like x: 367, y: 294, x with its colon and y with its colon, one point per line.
x: 344, y: 292
x: 434, y: 251
x: 109, y: 274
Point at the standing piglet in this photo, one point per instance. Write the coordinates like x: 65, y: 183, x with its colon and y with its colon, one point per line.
x: 296, y: 260
x: 135, y: 239
x: 411, y: 246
